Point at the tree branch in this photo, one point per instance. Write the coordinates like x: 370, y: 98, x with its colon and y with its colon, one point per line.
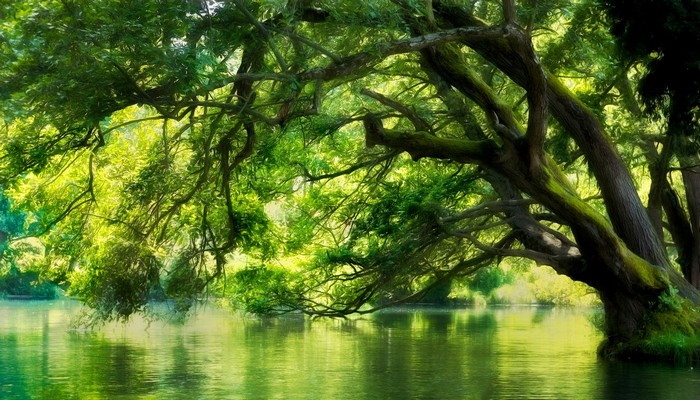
x: 421, y: 144
x: 349, y: 170
x: 265, y: 33
x: 538, y: 257
x: 419, y: 123
x: 489, y: 207
x: 380, y: 51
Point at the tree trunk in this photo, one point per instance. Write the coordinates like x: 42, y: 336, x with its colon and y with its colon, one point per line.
x: 624, y: 258
x: 623, y: 317
x: 691, y: 181
x: 613, y: 177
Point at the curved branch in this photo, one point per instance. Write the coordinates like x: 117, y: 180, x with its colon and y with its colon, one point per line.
x: 351, y: 169
x: 380, y: 51
x: 553, y: 260
x: 421, y: 144
x: 419, y: 123
x: 489, y: 207
x: 536, y: 93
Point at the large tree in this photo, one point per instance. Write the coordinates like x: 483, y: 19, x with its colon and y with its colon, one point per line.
x: 172, y: 123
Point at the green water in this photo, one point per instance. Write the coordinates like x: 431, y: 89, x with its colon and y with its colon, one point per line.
x: 494, y: 353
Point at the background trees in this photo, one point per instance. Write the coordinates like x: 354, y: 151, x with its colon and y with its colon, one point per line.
x: 401, y: 143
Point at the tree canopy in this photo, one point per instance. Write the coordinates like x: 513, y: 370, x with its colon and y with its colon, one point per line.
x: 334, y: 157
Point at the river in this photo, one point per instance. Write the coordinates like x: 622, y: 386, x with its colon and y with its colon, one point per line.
x: 411, y: 353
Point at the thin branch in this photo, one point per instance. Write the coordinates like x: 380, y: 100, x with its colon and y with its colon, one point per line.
x: 419, y: 123
x: 489, y: 207
x: 133, y: 121
x: 380, y: 51
x: 76, y: 203
x: 309, y: 43
x: 265, y: 33
x: 349, y: 170
x: 232, y: 107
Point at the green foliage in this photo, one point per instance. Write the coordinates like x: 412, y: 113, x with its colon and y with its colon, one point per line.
x: 19, y: 274
x: 184, y: 282
x: 117, y: 282
x: 11, y: 219
x: 670, y: 300
x: 264, y: 290
x: 25, y: 283
x: 161, y: 148
x: 486, y: 280
x: 660, y: 34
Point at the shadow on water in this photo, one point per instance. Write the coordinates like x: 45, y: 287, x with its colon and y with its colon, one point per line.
x: 651, y: 381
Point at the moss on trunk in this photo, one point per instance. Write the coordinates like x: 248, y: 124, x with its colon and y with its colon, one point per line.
x: 668, y: 332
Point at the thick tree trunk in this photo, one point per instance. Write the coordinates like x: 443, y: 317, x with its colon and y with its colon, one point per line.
x: 691, y: 181
x: 624, y: 258
x: 616, y: 184
x: 624, y: 315
x: 662, y: 197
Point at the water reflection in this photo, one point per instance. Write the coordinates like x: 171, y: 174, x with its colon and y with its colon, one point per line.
x: 648, y: 381
x: 490, y: 353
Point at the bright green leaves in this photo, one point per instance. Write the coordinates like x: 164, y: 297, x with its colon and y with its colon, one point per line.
x: 265, y: 290
x: 383, y: 241
x: 164, y: 145
x: 119, y: 281
x: 77, y: 62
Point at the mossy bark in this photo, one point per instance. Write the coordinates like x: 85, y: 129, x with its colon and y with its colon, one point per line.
x: 630, y: 287
x: 622, y: 256
x: 668, y: 332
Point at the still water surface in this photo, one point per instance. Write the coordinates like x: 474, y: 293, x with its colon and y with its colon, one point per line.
x: 492, y: 353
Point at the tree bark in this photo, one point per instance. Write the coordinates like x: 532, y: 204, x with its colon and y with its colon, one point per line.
x: 691, y: 180
x: 615, y: 182
x: 625, y: 259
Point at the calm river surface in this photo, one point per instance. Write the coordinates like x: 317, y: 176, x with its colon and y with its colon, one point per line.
x: 492, y: 353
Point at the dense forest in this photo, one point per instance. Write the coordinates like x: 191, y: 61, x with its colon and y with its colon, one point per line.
x: 336, y: 157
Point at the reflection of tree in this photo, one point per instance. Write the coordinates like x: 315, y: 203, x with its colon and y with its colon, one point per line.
x: 649, y: 382
x: 184, y: 372
x: 426, y: 354
x: 106, y: 367
x: 27, y: 362
x: 544, y: 352
x: 119, y: 369
x: 391, y: 319
x: 281, y: 326
x: 12, y: 377
x: 540, y: 315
